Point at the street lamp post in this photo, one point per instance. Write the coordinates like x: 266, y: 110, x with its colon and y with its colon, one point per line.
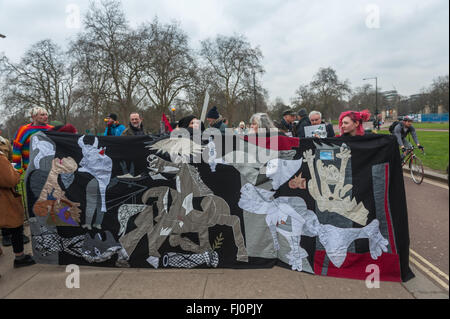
x: 376, y: 99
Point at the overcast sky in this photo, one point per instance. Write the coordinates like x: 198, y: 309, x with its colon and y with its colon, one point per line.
x: 404, y: 42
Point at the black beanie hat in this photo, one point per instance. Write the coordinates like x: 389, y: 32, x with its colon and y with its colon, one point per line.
x: 113, y: 116
x: 302, y: 112
x: 213, y: 113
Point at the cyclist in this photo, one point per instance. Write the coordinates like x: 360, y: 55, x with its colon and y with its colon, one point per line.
x: 401, y: 131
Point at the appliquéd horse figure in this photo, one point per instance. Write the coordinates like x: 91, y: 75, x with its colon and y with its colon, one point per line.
x: 178, y: 216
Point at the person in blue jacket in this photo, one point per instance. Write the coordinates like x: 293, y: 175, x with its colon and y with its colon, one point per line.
x: 113, y: 128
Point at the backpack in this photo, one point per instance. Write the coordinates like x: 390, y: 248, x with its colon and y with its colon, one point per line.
x: 393, y: 125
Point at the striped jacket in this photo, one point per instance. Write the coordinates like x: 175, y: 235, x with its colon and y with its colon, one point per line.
x: 21, y: 144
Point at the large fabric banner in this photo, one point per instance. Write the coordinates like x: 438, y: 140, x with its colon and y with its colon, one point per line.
x: 331, y: 207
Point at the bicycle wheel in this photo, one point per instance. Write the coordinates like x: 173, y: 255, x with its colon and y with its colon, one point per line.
x: 416, y: 169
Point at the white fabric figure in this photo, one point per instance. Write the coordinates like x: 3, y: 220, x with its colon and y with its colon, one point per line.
x: 45, y: 149
x: 292, y: 219
x: 98, y: 164
x: 179, y: 149
x: 212, y: 154
x: 280, y: 171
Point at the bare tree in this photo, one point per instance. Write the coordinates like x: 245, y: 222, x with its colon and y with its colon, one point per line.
x: 329, y: 91
x: 168, y: 65
x: 305, y: 98
x: 364, y: 98
x: 42, y: 78
x: 233, y: 60
x: 94, y: 82
x: 120, y: 49
x: 439, y: 93
x: 277, y: 109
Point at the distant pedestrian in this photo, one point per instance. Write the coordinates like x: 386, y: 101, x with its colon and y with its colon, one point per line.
x: 113, y: 127
x: 241, y: 129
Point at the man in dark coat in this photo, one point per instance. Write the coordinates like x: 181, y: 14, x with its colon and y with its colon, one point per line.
x: 135, y: 126
x: 216, y: 120
x: 302, y: 123
x: 286, y: 125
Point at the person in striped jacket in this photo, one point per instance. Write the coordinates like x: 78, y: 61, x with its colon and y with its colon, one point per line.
x: 21, y: 154
x: 21, y: 143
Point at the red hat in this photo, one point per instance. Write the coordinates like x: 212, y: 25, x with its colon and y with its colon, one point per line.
x: 68, y: 128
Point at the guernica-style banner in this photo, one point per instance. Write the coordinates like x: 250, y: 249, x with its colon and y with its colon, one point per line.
x: 329, y: 207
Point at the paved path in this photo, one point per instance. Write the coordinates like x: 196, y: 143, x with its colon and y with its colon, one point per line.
x: 428, y: 217
x: 49, y: 281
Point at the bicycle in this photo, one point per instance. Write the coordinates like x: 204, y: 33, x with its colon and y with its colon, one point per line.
x: 415, y: 164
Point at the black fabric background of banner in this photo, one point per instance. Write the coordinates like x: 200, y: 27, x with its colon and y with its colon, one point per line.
x: 366, y: 151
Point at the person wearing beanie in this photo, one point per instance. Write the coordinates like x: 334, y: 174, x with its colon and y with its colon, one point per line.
x: 135, y: 127
x: 113, y: 128
x: 303, y: 121
x: 215, y: 120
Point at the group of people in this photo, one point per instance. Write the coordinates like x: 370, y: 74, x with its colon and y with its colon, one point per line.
x: 14, y: 159
x: 294, y: 124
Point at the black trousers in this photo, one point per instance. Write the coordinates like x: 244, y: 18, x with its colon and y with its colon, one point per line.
x: 16, y: 237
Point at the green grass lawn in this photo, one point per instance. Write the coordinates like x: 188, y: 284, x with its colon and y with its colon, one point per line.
x: 436, y: 149
x: 435, y: 126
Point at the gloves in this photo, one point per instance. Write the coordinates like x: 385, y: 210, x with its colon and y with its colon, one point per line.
x: 420, y: 146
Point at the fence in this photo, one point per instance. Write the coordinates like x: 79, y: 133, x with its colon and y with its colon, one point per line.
x: 434, y: 117
x: 431, y: 117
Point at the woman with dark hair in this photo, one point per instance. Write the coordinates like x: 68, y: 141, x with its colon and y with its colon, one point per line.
x: 351, y: 122
x: 190, y: 122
